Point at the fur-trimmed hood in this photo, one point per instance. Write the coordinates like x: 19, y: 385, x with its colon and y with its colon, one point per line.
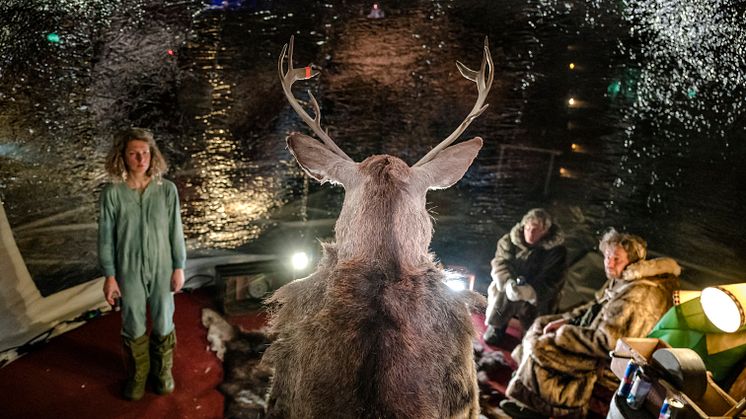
x: 651, y: 267
x: 554, y: 237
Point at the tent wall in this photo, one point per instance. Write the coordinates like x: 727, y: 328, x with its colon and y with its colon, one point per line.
x: 24, y: 313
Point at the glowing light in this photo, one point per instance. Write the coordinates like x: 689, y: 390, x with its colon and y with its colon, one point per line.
x: 722, y: 306
x: 243, y: 209
x: 456, y: 284
x: 575, y: 147
x: 300, y: 261
x: 170, y: 52
x: 53, y: 38
x: 572, y: 66
x: 571, y: 101
x: 614, y: 88
x: 456, y: 280
x: 376, y: 12
x: 566, y: 173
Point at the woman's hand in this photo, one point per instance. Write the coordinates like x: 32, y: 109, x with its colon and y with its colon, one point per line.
x: 111, y: 290
x: 177, y: 280
x: 554, y: 325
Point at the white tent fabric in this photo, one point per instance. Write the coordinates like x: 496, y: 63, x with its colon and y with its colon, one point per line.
x: 24, y: 313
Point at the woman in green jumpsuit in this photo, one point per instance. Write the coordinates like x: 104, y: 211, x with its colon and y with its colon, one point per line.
x: 142, y: 253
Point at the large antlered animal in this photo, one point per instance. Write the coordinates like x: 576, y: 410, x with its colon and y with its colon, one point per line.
x: 374, y: 332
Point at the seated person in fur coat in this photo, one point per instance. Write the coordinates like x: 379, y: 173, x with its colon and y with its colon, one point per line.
x: 562, y: 356
x: 527, y: 274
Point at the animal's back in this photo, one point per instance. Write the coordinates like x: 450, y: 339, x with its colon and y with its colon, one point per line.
x: 376, y: 334
x: 357, y: 341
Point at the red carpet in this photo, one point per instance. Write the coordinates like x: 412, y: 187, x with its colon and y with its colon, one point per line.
x: 79, y: 374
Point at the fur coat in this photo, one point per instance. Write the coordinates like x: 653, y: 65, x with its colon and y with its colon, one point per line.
x: 542, y: 265
x: 557, y: 371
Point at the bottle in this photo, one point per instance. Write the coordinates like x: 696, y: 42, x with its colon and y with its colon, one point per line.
x: 671, y: 408
x: 640, y: 389
x: 629, y: 375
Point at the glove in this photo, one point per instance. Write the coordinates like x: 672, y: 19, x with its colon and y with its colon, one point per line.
x: 496, y: 280
x: 510, y: 291
x: 520, y: 292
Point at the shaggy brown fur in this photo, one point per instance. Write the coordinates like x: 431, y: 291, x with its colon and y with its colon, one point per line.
x: 393, y: 347
x: 245, y: 380
x: 375, y: 332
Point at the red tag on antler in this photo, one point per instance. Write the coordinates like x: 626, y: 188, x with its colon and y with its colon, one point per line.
x: 308, y: 72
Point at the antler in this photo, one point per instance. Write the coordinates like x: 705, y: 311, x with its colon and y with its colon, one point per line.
x: 287, y: 80
x: 483, y: 86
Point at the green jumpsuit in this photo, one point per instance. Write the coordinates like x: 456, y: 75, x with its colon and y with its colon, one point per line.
x: 141, y: 242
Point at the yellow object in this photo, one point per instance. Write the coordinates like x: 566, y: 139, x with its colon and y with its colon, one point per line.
x: 721, y: 342
x: 724, y: 306
x: 682, y: 296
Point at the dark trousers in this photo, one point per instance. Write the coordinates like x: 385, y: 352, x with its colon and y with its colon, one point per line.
x: 505, y: 310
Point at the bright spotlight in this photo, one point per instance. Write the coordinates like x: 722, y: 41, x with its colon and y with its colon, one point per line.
x: 456, y: 281
x: 300, y: 261
x: 571, y: 101
x: 723, y: 306
x: 456, y: 284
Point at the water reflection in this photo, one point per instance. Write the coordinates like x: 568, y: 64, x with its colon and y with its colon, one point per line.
x: 686, y: 89
x: 219, y: 212
x: 692, y: 64
x: 652, y: 141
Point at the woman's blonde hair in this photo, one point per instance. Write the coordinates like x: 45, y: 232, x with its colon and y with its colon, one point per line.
x: 115, y: 165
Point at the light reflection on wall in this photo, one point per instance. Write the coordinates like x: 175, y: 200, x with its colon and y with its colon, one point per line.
x: 692, y: 61
x: 405, y: 67
x: 687, y: 89
x: 227, y: 197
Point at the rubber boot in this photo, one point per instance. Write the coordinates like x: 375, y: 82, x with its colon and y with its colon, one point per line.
x: 493, y: 335
x: 162, y: 359
x: 138, y: 364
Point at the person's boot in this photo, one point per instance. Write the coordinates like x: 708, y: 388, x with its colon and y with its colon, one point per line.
x: 519, y: 410
x: 138, y: 364
x: 492, y: 336
x: 162, y: 354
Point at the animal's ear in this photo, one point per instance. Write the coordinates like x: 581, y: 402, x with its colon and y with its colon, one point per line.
x: 449, y: 165
x: 318, y: 161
